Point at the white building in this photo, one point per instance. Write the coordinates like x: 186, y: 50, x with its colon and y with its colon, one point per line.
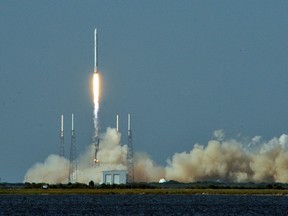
x: 114, y: 177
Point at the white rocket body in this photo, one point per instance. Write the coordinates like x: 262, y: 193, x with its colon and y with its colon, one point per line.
x: 95, y: 51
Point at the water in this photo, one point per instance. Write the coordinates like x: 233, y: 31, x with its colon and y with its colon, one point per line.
x: 142, y: 205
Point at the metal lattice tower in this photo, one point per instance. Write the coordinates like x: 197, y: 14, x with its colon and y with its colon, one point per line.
x: 130, y: 168
x: 73, y: 161
x: 61, y: 150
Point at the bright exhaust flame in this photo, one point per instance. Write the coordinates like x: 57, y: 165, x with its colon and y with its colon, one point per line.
x: 96, y: 88
x: 96, y: 94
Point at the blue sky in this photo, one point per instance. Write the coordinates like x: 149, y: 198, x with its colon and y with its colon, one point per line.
x: 182, y: 68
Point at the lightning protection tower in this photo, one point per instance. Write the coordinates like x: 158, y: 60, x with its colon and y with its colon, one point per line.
x: 73, y: 162
x: 117, y: 123
x: 61, y: 150
x: 130, y: 168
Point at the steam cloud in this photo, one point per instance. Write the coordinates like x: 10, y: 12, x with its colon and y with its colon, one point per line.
x: 221, y: 159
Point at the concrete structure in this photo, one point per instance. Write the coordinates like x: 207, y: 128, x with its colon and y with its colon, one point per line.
x: 114, y: 177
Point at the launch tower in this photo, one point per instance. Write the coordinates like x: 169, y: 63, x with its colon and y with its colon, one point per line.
x: 73, y: 161
x: 130, y: 168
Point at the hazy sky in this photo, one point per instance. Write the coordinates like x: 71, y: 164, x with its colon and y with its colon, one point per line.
x: 182, y: 68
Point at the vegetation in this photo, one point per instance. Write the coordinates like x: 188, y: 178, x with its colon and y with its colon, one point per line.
x: 171, y: 187
x: 146, y: 191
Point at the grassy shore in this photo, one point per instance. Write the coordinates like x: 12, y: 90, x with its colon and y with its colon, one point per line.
x: 147, y: 191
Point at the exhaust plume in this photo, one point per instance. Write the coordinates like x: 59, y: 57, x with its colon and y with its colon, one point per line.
x: 96, y: 87
x: 221, y: 159
x: 233, y: 161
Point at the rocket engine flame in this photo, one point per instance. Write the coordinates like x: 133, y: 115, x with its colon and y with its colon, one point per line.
x: 96, y: 94
x: 96, y: 89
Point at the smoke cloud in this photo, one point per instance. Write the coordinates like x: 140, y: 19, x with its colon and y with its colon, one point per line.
x: 231, y: 160
x: 221, y: 159
x: 55, y: 169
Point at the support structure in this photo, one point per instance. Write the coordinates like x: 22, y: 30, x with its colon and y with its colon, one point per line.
x: 130, y: 167
x: 73, y: 161
x: 61, y: 150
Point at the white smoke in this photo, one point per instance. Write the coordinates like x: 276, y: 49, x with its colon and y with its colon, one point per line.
x: 146, y: 170
x: 221, y: 159
x: 55, y: 169
x: 230, y: 160
x: 219, y: 135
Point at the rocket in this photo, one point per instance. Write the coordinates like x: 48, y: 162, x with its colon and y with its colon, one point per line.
x: 95, y: 51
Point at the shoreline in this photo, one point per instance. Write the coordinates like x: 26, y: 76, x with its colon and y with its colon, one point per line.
x: 275, y: 192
